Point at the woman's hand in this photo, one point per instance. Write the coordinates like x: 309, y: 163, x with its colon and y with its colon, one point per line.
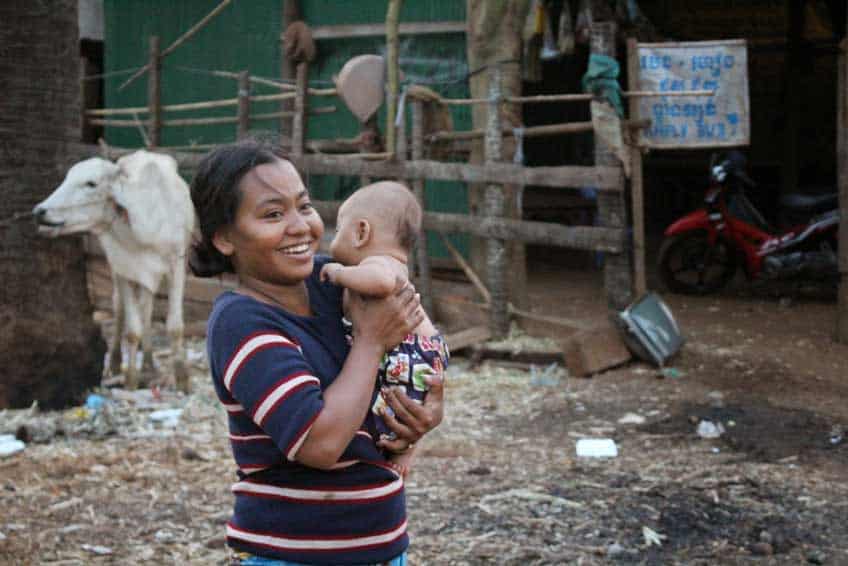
x: 386, y: 321
x: 411, y: 420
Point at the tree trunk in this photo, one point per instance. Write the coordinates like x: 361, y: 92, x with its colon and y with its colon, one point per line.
x: 51, y: 350
x: 494, y: 36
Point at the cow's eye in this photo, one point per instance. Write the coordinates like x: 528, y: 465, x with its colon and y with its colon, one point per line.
x: 91, y: 184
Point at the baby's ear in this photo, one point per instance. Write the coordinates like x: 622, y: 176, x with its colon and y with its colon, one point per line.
x: 364, y: 233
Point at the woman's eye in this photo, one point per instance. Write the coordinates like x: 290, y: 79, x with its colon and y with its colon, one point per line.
x: 273, y: 214
x: 91, y: 184
x: 307, y: 206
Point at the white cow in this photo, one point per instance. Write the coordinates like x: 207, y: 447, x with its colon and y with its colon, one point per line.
x: 140, y: 210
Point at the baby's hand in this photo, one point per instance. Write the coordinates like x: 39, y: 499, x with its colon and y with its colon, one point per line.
x: 330, y: 271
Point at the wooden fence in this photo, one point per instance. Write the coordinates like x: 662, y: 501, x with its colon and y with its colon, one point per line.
x: 406, y: 160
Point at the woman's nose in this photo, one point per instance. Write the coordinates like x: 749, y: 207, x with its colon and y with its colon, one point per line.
x: 297, y: 224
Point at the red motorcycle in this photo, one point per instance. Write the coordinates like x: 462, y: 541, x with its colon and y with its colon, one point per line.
x: 702, y: 251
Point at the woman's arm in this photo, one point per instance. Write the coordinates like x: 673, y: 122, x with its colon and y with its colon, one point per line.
x: 378, y: 325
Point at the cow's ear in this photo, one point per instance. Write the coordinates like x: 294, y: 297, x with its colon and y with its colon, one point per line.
x: 144, y: 202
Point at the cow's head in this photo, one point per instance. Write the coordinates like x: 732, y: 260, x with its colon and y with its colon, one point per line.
x: 83, y: 202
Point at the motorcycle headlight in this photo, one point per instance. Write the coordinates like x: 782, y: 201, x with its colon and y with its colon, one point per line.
x: 719, y: 173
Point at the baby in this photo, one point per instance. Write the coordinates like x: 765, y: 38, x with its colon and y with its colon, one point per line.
x: 376, y: 229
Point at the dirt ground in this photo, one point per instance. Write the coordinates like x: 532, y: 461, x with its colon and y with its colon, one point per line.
x: 499, y: 482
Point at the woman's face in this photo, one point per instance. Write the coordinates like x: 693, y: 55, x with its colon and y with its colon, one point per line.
x: 276, y: 232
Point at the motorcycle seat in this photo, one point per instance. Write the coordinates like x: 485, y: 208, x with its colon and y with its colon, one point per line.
x: 810, y: 203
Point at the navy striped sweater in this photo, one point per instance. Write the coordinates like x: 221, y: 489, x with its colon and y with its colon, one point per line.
x: 269, y: 368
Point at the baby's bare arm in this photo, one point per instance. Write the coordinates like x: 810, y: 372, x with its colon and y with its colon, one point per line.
x: 372, y: 277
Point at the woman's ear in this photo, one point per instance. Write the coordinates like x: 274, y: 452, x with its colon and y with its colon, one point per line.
x: 221, y: 241
x: 364, y: 233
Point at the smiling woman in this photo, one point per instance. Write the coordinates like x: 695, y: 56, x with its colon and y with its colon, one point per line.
x: 314, y: 487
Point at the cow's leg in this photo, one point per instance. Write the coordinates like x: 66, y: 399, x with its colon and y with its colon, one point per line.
x: 133, y: 324
x: 145, y: 305
x: 113, y: 363
x: 174, y: 322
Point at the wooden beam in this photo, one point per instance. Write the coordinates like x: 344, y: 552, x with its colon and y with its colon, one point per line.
x: 494, y: 208
x: 243, y: 116
x: 842, y: 180
x: 612, y: 212
x: 601, y: 178
x: 531, y: 232
x: 154, y: 93
x: 422, y: 255
x: 299, y: 122
x: 392, y: 70
x: 637, y: 200
x: 374, y: 30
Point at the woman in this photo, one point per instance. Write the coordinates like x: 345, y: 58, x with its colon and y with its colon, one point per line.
x: 314, y: 487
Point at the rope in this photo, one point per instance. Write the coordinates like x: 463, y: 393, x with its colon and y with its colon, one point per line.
x: 15, y: 217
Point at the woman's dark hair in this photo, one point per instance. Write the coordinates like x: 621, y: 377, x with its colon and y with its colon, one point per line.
x: 216, y: 197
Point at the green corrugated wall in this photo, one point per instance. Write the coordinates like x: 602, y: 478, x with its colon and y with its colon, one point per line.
x: 246, y: 37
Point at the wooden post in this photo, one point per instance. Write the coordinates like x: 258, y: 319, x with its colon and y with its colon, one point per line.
x: 291, y: 13
x: 392, y: 71
x: 299, y: 122
x: 842, y: 179
x: 495, y: 205
x: 637, y: 201
x: 422, y: 256
x: 794, y: 62
x: 243, y: 105
x: 612, y: 211
x: 154, y: 93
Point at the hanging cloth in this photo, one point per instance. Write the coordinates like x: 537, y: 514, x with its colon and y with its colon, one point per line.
x: 565, y: 35
x: 601, y: 79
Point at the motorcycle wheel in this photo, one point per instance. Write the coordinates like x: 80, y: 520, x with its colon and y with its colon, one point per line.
x: 688, y: 264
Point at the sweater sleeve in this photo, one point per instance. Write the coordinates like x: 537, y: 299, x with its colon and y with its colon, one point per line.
x: 262, y: 371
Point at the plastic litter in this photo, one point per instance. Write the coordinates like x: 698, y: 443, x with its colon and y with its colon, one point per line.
x: 709, y: 429
x: 94, y: 402
x: 631, y: 418
x: 166, y: 417
x: 596, y: 448
x: 9, y: 445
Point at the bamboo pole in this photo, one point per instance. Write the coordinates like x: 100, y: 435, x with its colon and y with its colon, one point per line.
x: 243, y: 116
x: 612, y: 212
x: 637, y: 201
x: 422, y: 255
x: 533, y: 131
x: 179, y: 41
x: 495, y: 206
x: 463, y: 265
x: 392, y: 70
x: 542, y: 98
x: 842, y: 179
x: 154, y: 93
x: 291, y: 14
x: 299, y: 122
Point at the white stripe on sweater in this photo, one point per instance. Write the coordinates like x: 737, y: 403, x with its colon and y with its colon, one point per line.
x: 315, y: 544
x: 318, y: 494
x: 247, y: 349
x: 280, y: 391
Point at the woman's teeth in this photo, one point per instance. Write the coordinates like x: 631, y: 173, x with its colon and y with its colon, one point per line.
x: 298, y: 249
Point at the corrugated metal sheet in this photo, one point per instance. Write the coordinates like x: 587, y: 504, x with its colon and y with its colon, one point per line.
x: 246, y: 37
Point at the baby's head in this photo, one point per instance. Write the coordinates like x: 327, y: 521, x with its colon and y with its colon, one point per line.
x: 379, y: 219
